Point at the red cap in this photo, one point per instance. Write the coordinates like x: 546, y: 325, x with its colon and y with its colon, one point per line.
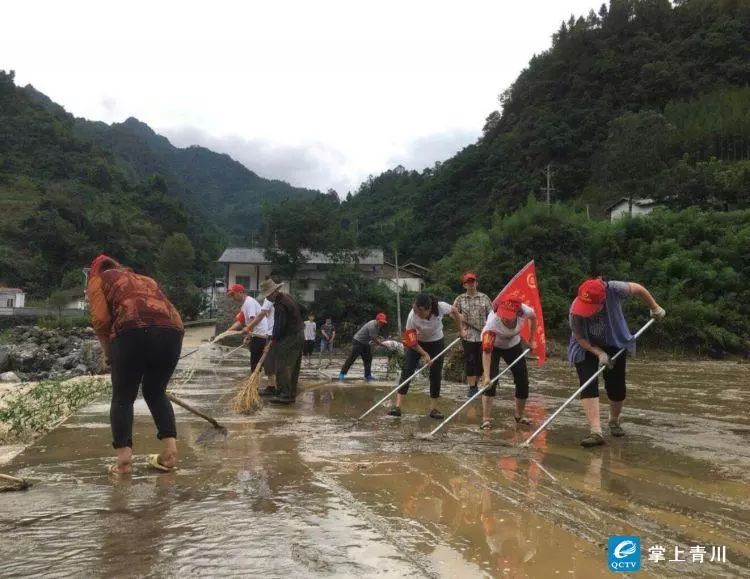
x: 591, y: 295
x: 508, y: 308
x: 236, y: 289
x: 381, y: 317
x: 468, y: 276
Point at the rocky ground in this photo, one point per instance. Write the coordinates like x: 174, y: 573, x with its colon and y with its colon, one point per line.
x: 33, y: 353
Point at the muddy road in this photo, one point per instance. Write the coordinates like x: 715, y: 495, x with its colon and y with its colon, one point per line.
x: 309, y: 491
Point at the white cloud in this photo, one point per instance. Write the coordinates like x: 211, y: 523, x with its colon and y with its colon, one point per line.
x: 316, y: 93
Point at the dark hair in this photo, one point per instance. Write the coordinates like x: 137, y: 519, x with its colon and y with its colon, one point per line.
x: 427, y: 301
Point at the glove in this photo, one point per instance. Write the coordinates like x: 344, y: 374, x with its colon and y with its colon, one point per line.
x: 658, y: 313
x: 604, y: 360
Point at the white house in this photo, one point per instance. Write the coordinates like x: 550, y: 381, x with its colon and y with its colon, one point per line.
x: 410, y: 278
x: 620, y: 208
x: 11, y: 297
x: 248, y: 267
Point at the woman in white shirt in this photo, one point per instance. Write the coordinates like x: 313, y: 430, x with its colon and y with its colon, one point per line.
x: 501, y: 339
x: 424, y: 339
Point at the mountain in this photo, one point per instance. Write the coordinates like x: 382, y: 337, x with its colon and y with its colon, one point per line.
x: 71, y: 188
x: 641, y: 99
x: 212, y: 183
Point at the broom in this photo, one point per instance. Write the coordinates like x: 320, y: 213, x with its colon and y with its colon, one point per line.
x: 247, y: 399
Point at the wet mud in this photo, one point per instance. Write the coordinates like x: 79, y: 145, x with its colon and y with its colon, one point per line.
x: 310, y: 491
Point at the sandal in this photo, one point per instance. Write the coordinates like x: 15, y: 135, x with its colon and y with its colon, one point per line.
x: 153, y: 462
x: 522, y: 420
x: 486, y: 425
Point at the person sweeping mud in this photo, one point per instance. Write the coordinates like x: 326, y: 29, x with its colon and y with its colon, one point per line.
x: 501, y: 338
x: 287, y: 339
x: 598, y: 331
x: 249, y: 310
x: 141, y: 336
x: 474, y: 307
x: 370, y: 332
x: 266, y: 316
x: 423, y: 339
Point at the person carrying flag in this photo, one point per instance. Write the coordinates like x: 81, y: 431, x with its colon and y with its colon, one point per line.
x: 501, y: 338
x: 474, y: 307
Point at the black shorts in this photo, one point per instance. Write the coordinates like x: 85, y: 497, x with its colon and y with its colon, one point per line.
x: 519, y: 370
x: 614, y: 379
x: 308, y: 347
x: 472, y: 358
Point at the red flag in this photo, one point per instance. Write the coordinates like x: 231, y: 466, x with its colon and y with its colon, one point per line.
x: 523, y: 286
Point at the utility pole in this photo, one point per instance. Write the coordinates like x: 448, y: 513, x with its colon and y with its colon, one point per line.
x: 549, y: 172
x: 398, y: 290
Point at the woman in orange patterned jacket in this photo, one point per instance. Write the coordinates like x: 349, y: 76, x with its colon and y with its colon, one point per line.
x: 141, y: 336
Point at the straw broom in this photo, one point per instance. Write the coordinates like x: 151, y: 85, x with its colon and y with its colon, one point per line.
x: 247, y: 399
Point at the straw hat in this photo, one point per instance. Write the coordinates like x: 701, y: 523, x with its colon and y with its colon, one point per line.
x: 268, y: 287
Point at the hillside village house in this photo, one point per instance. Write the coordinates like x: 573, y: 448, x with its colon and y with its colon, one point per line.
x: 248, y: 267
x: 11, y: 297
x: 619, y: 209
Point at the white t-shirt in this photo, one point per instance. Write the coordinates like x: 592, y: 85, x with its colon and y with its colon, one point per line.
x: 310, y: 329
x: 431, y: 329
x: 268, y: 307
x: 250, y: 309
x: 506, y: 337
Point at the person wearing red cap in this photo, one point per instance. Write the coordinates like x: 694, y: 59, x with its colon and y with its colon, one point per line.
x: 501, y: 338
x: 474, y: 307
x: 141, y: 336
x: 598, y: 331
x: 423, y: 339
x: 370, y: 332
x: 249, y: 310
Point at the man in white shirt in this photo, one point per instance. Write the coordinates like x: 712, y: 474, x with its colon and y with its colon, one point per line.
x: 249, y: 310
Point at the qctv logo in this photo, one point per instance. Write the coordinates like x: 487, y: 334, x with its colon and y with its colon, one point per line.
x: 624, y: 553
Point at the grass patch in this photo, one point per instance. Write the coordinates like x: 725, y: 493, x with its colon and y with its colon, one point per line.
x: 34, y: 411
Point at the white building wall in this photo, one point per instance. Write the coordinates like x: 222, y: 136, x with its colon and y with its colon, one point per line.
x: 410, y: 284
x: 621, y: 211
x: 16, y: 299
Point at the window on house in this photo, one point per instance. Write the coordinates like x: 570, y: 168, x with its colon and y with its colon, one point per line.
x: 243, y: 280
x: 9, y: 304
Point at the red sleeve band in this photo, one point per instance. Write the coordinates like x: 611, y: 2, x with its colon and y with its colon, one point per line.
x: 240, y: 318
x: 410, y: 338
x: 488, y: 341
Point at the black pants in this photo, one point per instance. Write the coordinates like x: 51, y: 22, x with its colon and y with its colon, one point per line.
x: 359, y: 349
x: 308, y: 348
x: 472, y: 358
x: 256, y: 346
x: 520, y: 372
x: 614, y: 379
x: 288, y: 362
x: 144, y: 357
x: 436, y: 370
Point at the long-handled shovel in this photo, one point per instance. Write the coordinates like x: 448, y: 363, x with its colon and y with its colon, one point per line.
x: 479, y: 393
x: 577, y: 392
x: 392, y: 392
x: 219, y: 431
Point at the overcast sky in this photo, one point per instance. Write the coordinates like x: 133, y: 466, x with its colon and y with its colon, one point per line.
x: 317, y: 93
